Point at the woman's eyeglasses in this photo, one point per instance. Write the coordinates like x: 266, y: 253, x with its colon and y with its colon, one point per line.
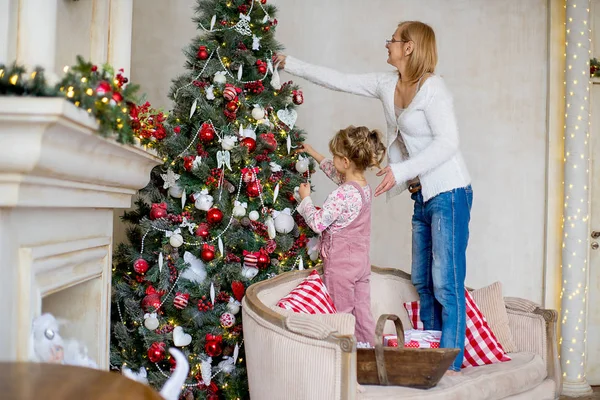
x: 392, y: 40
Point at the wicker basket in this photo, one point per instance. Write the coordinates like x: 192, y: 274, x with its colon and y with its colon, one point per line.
x: 397, y: 366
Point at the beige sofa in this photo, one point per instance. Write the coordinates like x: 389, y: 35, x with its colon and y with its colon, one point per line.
x: 313, y: 357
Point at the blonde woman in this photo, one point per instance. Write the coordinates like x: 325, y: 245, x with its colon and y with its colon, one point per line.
x: 423, y: 156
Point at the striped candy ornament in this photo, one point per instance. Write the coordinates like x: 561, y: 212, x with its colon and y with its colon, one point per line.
x: 181, y: 300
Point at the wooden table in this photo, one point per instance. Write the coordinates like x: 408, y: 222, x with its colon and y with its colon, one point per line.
x: 35, y: 381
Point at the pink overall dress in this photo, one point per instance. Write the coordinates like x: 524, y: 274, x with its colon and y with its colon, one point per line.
x: 348, y: 269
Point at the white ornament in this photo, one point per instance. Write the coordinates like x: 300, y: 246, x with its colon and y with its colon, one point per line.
x: 170, y: 178
x: 227, y: 320
x: 288, y: 117
x: 176, y: 191
x: 240, y: 72
x: 150, y: 321
x: 249, y: 272
x: 203, y: 200
x: 193, y: 109
x: 271, y: 228
x: 212, y: 22
x: 236, y: 352
x: 258, y: 113
x: 206, y: 371
x: 275, y: 192
x: 224, y: 159
x: 313, y: 248
x: 275, y: 80
x: 210, y: 93
x: 212, y: 293
x: 302, y: 164
x: 188, y: 224
x: 196, y: 271
x: 197, y: 162
x: 220, y: 244
x: 239, y: 209
x: 220, y: 77
x: 160, y: 261
x: 253, y: 215
x: 176, y: 240
x: 183, y: 199
x: 180, y: 338
x: 275, y: 167
x: 297, y: 194
x: 233, y: 306
x: 228, y: 142
x: 255, y: 42
x: 227, y: 365
x: 301, y: 264
x: 284, y: 222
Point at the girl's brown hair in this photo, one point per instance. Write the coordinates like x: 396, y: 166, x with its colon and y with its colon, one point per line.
x: 360, y: 145
x: 423, y: 58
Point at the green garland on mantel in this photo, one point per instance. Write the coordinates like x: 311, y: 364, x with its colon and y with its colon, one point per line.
x: 97, y: 89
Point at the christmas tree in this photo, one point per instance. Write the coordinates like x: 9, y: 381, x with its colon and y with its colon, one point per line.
x: 219, y: 214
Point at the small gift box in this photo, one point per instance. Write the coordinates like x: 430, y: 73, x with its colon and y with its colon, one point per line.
x: 390, y: 340
x: 418, y: 339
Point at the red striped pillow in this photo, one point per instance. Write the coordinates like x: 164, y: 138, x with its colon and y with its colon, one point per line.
x: 309, y: 297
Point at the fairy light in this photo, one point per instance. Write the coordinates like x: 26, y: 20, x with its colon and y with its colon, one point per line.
x: 575, y: 221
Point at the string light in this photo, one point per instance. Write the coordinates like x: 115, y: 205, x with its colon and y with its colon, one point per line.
x: 575, y: 221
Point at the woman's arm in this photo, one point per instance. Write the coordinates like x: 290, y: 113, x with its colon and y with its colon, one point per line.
x: 361, y: 84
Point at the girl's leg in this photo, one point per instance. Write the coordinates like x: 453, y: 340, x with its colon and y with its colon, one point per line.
x: 430, y: 311
x: 450, y: 214
x: 365, y: 325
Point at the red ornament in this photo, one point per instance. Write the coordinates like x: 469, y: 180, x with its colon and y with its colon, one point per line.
x: 156, y: 352
x: 158, y: 210
x: 250, y: 259
x: 229, y: 93
x: 297, y: 97
x: 214, y: 216
x: 267, y: 28
x: 208, y: 252
x: 202, y: 230
x: 253, y: 189
x: 262, y: 69
x: 213, y: 346
x: 249, y: 143
x: 238, y: 289
x: 249, y: 174
x: 181, y: 300
x: 118, y: 97
x: 94, y: 68
x: 232, y: 106
x: 263, y: 1
x: 263, y: 259
x: 207, y: 132
x: 103, y: 88
x: 188, y: 162
x: 151, y: 302
x: 270, y: 141
x: 202, y: 53
x: 140, y: 266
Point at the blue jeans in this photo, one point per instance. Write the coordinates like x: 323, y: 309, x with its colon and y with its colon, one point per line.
x: 439, y: 245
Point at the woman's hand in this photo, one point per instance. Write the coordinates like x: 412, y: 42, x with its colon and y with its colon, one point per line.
x: 388, y: 181
x: 279, y: 58
x: 304, y: 190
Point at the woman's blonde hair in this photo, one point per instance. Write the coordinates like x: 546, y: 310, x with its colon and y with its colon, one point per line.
x: 360, y: 145
x: 423, y: 58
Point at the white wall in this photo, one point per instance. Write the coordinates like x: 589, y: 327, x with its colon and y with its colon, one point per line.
x: 493, y: 56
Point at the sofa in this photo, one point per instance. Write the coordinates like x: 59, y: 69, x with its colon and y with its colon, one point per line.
x: 311, y: 357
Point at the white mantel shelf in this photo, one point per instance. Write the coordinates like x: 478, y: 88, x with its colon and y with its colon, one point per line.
x: 59, y: 184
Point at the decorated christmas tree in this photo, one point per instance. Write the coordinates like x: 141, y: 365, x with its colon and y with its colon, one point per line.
x: 219, y: 214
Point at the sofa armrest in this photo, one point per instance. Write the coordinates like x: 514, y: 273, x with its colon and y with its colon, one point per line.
x: 320, y: 326
x: 535, y: 331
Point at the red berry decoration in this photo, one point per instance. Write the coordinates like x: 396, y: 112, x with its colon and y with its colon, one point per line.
x: 238, y: 290
x: 270, y: 141
x: 253, y: 189
x: 204, y: 305
x: 156, y: 352
x: 158, y: 210
x: 214, y: 216
x: 202, y: 230
x: 232, y: 106
x: 140, y: 266
x: 202, y: 53
x: 188, y: 162
x: 181, y: 300
x: 208, y: 252
x: 207, y: 132
x: 249, y: 143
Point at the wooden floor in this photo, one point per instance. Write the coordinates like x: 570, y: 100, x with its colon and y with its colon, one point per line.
x: 595, y: 396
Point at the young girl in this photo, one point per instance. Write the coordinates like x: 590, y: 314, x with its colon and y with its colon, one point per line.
x: 345, y: 222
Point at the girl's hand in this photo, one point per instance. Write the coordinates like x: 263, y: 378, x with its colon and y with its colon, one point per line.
x: 387, y: 183
x: 305, y: 148
x: 279, y: 58
x: 304, y: 190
